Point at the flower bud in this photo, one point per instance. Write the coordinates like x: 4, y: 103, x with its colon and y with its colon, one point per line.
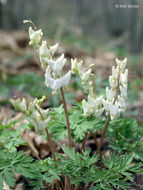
x: 35, y: 37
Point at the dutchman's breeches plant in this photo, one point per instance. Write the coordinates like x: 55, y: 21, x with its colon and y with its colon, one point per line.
x: 76, y: 167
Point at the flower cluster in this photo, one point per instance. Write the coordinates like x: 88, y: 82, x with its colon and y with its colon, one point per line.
x: 93, y: 105
x: 115, y: 103
x: 37, y: 116
x: 85, y: 77
x: 53, y: 75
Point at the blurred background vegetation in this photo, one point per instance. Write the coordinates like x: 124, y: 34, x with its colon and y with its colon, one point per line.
x: 95, y: 31
x: 100, y: 20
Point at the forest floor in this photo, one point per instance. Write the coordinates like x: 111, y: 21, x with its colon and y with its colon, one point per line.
x: 21, y: 75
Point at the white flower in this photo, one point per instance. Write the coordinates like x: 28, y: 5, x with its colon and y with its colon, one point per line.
x: 106, y: 105
x: 56, y: 65
x: 19, y: 104
x: 32, y: 105
x: 35, y: 37
x: 59, y: 82
x: 85, y: 76
x: 40, y: 125
x: 98, y: 112
x: 86, y: 108
x: 122, y: 103
x: 45, y: 52
x: 123, y: 64
x: 76, y: 66
x: 110, y: 94
x: 114, y: 110
x: 54, y: 48
x: 112, y: 81
x: 15, y: 103
x: 93, y: 106
x: 23, y: 105
x: 98, y: 101
x: 118, y: 62
x: 124, y: 77
x: 123, y: 90
x: 90, y: 89
x: 115, y: 73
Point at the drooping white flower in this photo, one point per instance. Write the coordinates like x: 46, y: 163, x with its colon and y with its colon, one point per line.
x: 86, y: 108
x: 106, y: 105
x: 98, y: 101
x: 119, y: 77
x: 123, y: 90
x: 124, y: 77
x: 19, y: 104
x: 110, y: 94
x: 123, y: 64
x: 93, y: 106
x: 114, y: 110
x: 98, y: 112
x: 59, y: 82
x: 85, y: 76
x: 76, y: 66
x: 118, y: 61
x: 54, y: 48
x: 40, y: 125
x: 112, y: 81
x: 46, y: 52
x: 122, y: 103
x: 35, y: 37
x: 115, y: 73
x: 58, y: 64
x: 22, y: 105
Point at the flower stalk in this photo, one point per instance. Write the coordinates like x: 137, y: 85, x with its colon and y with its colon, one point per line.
x: 108, y: 120
x: 51, y: 143
x: 67, y: 118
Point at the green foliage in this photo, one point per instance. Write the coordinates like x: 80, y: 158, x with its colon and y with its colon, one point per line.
x: 47, y: 171
x: 123, y: 136
x: 11, y: 162
x: 78, y: 167
x: 10, y: 138
x: 78, y: 123
x: 29, y: 82
x: 83, y: 168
